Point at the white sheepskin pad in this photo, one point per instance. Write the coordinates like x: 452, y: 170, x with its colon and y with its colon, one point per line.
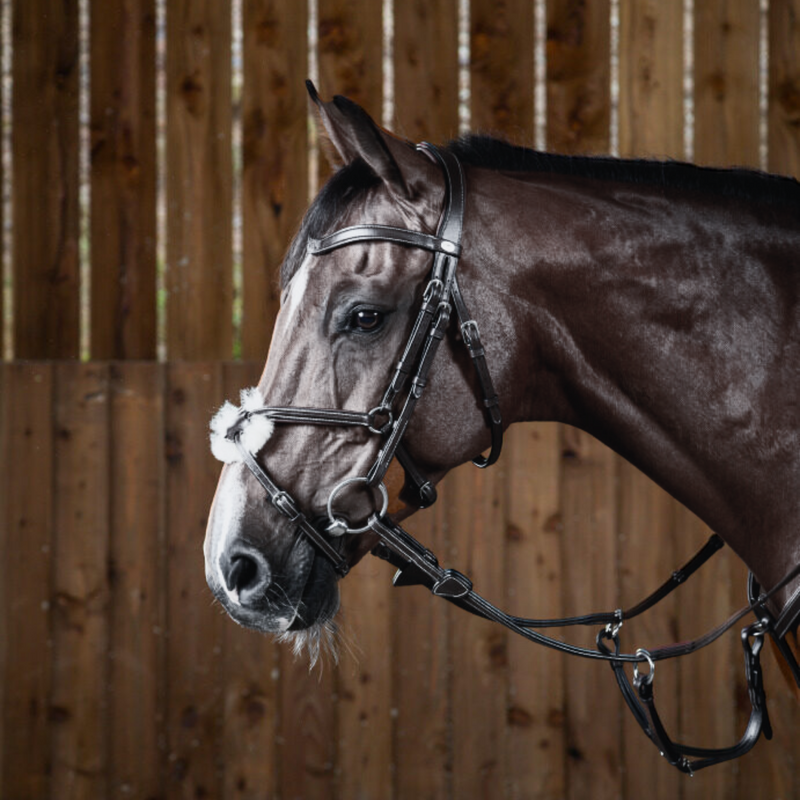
x: 254, y: 435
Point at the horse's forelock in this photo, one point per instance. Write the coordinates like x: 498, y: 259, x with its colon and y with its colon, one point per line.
x: 344, y: 187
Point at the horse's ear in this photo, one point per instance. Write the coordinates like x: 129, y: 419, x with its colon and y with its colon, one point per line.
x: 354, y: 134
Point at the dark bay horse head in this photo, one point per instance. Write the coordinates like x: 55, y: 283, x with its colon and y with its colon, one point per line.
x: 343, y: 322
x: 654, y: 305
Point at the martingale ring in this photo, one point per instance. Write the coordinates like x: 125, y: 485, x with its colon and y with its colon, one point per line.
x: 338, y: 526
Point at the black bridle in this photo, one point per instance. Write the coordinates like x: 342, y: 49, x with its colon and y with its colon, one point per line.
x: 416, y: 565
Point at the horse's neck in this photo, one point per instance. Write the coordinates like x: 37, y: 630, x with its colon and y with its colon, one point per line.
x: 659, y: 327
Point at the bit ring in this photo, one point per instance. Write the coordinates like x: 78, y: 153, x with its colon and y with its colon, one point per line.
x: 337, y: 525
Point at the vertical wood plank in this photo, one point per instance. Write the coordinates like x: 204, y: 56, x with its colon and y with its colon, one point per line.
x: 199, y: 180
x: 726, y: 34
x: 647, y: 555
x: 307, y: 745
x: 274, y: 156
x: 501, y: 68
x: 123, y: 179
x: 650, y: 124
x: 423, y: 737
x: 535, y: 745
x: 651, y: 79
x: 425, y: 69
x: 27, y: 537
x: 78, y: 710
x: 578, y: 68
x: 365, y: 735
x: 426, y: 107
x: 350, y: 56
x: 784, y: 87
x: 45, y: 179
x: 194, y: 702
x: 138, y: 581
x: 249, y: 682
x: 476, y: 519
x: 589, y: 554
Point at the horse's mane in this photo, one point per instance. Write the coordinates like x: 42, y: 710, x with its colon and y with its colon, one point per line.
x: 746, y: 184
x: 355, y: 179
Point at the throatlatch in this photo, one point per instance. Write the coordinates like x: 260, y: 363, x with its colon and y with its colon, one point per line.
x: 234, y: 438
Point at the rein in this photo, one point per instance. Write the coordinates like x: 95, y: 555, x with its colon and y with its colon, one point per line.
x: 416, y: 565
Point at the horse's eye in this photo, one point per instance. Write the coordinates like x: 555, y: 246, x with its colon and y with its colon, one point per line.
x: 366, y: 320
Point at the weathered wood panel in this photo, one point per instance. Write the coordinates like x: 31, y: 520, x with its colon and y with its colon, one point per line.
x: 578, y: 69
x: 650, y: 79
x: 123, y: 178
x: 423, y: 755
x: 726, y: 34
x: 535, y: 749
x: 274, y: 156
x: 589, y: 492
x: 45, y: 179
x: 80, y: 590
x: 475, y: 521
x: 199, y: 275
x: 501, y: 68
x: 784, y: 87
x: 194, y: 626
x: 27, y: 541
x: 425, y: 69
x: 136, y: 648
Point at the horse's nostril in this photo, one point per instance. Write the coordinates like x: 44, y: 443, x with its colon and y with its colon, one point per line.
x: 242, y: 573
x: 246, y: 575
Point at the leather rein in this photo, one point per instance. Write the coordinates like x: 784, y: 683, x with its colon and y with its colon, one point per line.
x: 416, y: 565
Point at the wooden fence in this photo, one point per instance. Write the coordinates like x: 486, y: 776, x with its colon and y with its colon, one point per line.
x: 119, y: 678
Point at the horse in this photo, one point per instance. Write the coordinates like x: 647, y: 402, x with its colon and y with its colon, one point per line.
x: 654, y: 305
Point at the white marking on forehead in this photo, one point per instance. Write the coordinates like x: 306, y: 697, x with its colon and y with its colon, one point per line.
x: 298, y: 286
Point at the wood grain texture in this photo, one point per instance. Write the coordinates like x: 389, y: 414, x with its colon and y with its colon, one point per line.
x: 647, y: 556
x: 726, y: 34
x: 137, y: 576
x: 534, y: 749
x: 249, y: 682
x: 26, y: 540
x: 502, y: 69
x: 651, y: 79
x: 784, y: 87
x: 80, y: 634
x: 194, y: 625
x: 123, y: 178
x: 422, y: 675
x: 307, y: 746
x: 475, y: 517
x: 578, y: 70
x: 425, y: 69
x: 591, y: 581
x: 199, y: 276
x: 274, y: 156
x: 45, y: 180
